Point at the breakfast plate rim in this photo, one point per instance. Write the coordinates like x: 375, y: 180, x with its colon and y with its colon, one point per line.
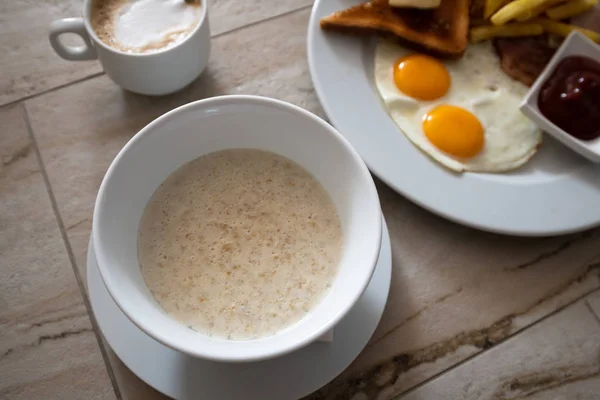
x: 181, y: 376
x: 564, y: 205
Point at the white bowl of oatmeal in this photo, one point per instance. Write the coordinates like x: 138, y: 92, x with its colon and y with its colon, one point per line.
x: 237, y: 228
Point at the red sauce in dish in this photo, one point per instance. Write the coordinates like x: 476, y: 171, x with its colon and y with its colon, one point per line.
x: 570, y: 98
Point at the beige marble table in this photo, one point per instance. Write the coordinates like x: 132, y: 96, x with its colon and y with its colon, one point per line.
x: 470, y: 315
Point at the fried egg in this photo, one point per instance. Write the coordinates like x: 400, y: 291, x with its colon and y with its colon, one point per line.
x: 463, y: 113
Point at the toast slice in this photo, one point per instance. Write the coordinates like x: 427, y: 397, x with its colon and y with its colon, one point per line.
x: 442, y: 32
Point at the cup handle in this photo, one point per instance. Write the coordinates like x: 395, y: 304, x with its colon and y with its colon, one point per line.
x: 72, y: 53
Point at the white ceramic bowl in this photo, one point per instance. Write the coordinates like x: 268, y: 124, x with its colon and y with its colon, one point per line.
x: 215, y: 124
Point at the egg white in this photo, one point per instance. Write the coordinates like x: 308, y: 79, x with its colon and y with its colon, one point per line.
x: 477, y: 85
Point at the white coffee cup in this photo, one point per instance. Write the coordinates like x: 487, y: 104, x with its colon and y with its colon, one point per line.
x: 157, y: 73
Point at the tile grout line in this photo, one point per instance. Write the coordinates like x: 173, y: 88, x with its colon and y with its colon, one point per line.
x: 98, y: 74
x: 484, y: 351
x: 52, y: 89
x: 589, y: 307
x: 70, y: 254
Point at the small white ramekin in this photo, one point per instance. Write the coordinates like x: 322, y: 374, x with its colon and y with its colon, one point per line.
x: 576, y: 44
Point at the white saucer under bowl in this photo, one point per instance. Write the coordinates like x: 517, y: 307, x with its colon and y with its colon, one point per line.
x: 288, y: 377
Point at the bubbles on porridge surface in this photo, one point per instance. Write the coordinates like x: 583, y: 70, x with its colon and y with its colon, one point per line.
x: 240, y: 239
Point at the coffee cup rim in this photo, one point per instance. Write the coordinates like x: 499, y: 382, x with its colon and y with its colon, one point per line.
x: 90, y: 30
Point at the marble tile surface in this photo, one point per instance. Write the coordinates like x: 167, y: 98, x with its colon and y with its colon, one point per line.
x: 559, y: 358
x: 30, y: 66
x: 28, y: 63
x: 455, y: 291
x: 48, y: 349
x: 226, y: 15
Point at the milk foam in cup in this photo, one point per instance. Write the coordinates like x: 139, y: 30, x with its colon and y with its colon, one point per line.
x: 143, y: 26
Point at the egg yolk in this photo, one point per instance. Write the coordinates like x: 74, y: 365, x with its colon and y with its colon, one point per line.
x: 421, y: 77
x: 454, y: 130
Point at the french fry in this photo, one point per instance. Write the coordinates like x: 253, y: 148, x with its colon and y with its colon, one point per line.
x: 538, y: 10
x: 570, y: 9
x: 514, y: 9
x: 560, y: 29
x: 491, y: 6
x: 528, y: 15
x: 481, y: 33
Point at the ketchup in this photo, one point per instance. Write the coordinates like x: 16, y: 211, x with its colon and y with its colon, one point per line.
x: 570, y: 98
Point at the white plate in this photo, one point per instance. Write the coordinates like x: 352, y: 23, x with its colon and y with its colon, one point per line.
x: 557, y: 192
x: 289, y: 377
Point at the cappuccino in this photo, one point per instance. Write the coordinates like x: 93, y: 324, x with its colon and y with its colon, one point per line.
x: 143, y: 26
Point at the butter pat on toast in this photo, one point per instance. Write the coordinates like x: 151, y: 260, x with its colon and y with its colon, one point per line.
x: 442, y: 31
